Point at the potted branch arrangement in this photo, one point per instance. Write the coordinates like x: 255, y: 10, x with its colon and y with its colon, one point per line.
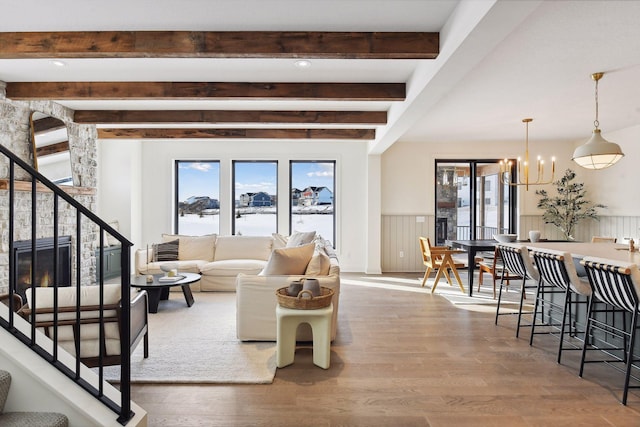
x: 569, y: 206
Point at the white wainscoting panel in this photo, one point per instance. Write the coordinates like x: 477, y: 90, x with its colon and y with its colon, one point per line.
x: 400, y: 234
x: 621, y: 227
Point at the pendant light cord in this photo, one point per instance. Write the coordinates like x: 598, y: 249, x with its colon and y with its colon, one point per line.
x: 596, y: 123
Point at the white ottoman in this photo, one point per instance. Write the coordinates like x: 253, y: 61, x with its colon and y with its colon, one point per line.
x: 288, y: 319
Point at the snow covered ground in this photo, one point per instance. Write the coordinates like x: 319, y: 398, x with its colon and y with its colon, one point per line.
x: 260, y: 223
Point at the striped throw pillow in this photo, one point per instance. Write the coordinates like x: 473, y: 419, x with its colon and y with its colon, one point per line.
x: 167, y: 251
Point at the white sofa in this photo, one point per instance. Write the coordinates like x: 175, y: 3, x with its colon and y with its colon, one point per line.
x: 256, y: 302
x: 255, y: 267
x: 219, y: 259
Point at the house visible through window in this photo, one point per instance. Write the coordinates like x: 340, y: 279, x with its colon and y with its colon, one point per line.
x: 313, y: 197
x: 197, y: 197
x: 255, y: 197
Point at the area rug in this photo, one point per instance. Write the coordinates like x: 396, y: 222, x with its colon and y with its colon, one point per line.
x: 198, y: 344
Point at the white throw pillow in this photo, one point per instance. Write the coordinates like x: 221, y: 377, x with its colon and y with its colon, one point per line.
x: 279, y: 241
x: 299, y: 238
x: 319, y: 265
x: 289, y: 261
x: 194, y: 247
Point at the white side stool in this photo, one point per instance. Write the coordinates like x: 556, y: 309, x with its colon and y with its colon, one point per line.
x: 288, y: 320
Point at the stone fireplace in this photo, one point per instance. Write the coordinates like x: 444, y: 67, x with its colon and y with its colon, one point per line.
x: 14, y: 134
x: 43, y: 269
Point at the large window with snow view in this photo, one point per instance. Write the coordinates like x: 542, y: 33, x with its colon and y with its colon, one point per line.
x: 313, y: 197
x: 197, y: 197
x: 255, y: 198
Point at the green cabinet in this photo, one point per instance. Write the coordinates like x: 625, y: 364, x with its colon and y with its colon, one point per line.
x: 112, y: 262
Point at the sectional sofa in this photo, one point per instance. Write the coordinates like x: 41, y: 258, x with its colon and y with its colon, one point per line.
x: 252, y: 266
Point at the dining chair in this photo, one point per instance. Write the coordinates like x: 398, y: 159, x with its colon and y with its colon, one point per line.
x: 494, y: 266
x: 600, y: 239
x: 558, y: 276
x: 616, y: 284
x: 517, y: 261
x: 439, y: 258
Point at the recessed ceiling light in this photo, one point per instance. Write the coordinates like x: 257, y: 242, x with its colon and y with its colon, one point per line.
x: 302, y: 63
x: 58, y: 63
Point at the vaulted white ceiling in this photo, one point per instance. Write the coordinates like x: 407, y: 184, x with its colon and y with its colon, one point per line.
x: 500, y: 61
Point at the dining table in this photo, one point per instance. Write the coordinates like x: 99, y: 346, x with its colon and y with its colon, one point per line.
x: 472, y: 247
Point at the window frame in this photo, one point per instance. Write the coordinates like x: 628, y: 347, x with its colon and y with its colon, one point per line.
x: 233, y: 190
x: 176, y: 190
x: 334, y: 200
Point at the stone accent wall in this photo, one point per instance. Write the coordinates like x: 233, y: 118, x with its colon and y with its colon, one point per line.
x: 14, y: 134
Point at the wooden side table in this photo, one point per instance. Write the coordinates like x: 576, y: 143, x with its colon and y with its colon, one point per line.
x: 288, y: 319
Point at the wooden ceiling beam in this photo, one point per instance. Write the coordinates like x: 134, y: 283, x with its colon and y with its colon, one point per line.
x: 205, y: 90
x: 247, y: 133
x: 220, y: 44
x: 46, y: 150
x: 229, y: 116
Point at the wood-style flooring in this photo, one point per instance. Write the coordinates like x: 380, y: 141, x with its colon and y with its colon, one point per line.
x: 406, y: 358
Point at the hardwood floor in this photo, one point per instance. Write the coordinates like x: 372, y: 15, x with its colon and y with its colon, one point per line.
x: 405, y: 357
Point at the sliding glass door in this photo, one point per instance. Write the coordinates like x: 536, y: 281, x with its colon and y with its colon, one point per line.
x: 471, y: 202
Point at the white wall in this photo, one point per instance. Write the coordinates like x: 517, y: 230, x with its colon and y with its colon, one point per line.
x: 154, y: 170
x: 120, y: 187
x: 408, y: 171
x: 617, y: 186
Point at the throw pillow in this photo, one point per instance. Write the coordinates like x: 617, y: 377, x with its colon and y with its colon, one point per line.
x: 299, y: 238
x: 319, y: 265
x: 166, y: 251
x: 279, y: 241
x: 194, y: 247
x: 288, y: 261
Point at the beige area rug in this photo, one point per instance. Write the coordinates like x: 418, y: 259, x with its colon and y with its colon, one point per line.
x: 198, y: 344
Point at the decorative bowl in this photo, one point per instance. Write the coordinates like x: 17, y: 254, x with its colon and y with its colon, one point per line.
x: 505, y: 238
x: 168, y: 266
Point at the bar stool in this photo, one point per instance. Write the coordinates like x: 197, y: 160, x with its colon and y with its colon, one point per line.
x: 517, y: 261
x: 615, y: 284
x: 557, y: 276
x: 288, y: 319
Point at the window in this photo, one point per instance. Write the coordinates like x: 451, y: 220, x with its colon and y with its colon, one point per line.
x: 255, y: 197
x: 471, y: 202
x: 313, y: 197
x: 197, y: 197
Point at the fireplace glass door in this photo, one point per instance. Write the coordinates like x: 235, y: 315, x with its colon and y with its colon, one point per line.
x: 44, y: 273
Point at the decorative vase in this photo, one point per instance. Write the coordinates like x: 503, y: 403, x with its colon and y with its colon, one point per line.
x: 294, y: 288
x: 312, y: 285
x: 534, y: 235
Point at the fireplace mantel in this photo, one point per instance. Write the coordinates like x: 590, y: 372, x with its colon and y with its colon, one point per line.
x: 26, y: 186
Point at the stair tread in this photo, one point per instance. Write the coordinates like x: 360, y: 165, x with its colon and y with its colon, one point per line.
x: 33, y: 419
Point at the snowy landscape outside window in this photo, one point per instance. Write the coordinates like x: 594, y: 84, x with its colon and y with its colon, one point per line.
x: 313, y: 197
x: 255, y: 198
x: 197, y: 197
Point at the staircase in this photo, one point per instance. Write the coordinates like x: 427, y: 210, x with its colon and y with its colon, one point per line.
x: 25, y: 419
x: 38, y: 368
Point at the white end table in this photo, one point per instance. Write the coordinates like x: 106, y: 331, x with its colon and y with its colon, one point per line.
x: 288, y: 319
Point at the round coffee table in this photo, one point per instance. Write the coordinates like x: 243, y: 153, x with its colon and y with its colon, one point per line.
x: 159, y: 289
